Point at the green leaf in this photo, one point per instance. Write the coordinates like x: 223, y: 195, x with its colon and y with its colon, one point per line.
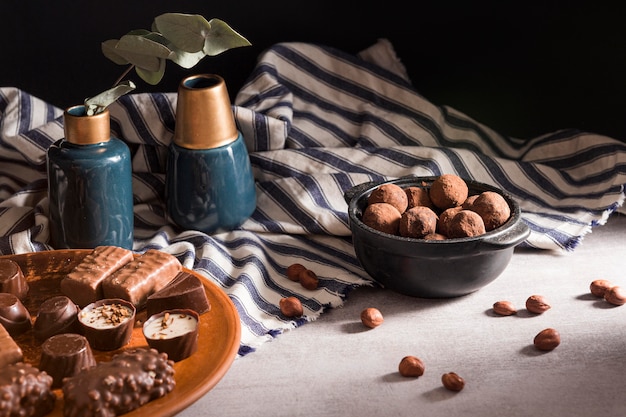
x: 108, y: 49
x: 185, y: 31
x: 142, y: 51
x: 152, y: 77
x: 222, y: 38
x: 97, y: 104
x: 186, y: 59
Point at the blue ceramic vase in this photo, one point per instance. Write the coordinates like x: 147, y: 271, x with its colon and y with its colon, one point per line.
x: 89, y: 185
x: 209, y: 182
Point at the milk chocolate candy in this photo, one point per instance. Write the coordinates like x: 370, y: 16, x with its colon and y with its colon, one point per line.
x: 65, y: 355
x: 25, y: 391
x: 184, y: 291
x: 12, y: 279
x: 174, y: 332
x: 141, y: 277
x: 84, y: 283
x: 13, y: 315
x: 56, y: 315
x: 108, y: 324
x: 10, y: 352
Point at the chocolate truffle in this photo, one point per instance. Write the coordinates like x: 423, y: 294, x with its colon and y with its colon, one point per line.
x: 12, y: 279
x: 466, y: 223
x: 418, y: 222
x: 84, y: 283
x: 383, y: 217
x: 435, y: 236
x: 13, y: 315
x: 56, y: 315
x: 108, y: 323
x: 447, y: 191
x: 10, y: 352
x: 493, y: 208
x: 418, y: 196
x: 25, y: 391
x: 467, y: 204
x: 184, y: 291
x: 174, y: 332
x: 126, y: 382
x: 391, y: 194
x: 443, y: 225
x: 64, y: 355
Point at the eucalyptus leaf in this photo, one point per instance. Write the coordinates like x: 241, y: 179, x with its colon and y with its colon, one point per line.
x: 186, y: 59
x: 109, y: 51
x: 185, y: 31
x: 97, y: 104
x: 152, y: 77
x: 143, y: 45
x: 222, y: 38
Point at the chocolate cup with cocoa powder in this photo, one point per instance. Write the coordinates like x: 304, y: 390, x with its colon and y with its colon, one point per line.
x: 433, y: 268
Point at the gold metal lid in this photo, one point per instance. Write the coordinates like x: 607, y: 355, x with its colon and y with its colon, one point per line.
x: 81, y: 129
x: 204, y: 117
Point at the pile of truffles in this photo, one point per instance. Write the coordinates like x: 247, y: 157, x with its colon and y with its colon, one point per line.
x: 443, y: 211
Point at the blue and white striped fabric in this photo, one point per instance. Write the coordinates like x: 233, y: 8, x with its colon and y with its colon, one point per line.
x: 317, y: 121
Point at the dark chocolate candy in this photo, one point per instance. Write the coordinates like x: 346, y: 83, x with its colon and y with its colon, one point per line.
x: 184, y: 291
x: 64, y: 355
x: 56, y: 315
x: 10, y: 352
x: 108, y: 324
x: 174, y: 332
x: 12, y: 279
x: 25, y: 391
x: 13, y: 314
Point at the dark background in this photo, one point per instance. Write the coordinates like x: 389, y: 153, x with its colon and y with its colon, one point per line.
x: 524, y: 70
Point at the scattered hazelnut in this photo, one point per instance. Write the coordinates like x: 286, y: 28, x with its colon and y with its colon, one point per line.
x: 452, y: 381
x: 290, y: 307
x: 308, y: 279
x: 537, y: 304
x: 411, y: 366
x: 599, y: 286
x: 293, y: 271
x: 547, y: 339
x: 504, y: 308
x: 615, y: 295
x: 371, y: 317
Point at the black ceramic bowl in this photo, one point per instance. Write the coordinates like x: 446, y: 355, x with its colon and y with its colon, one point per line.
x: 433, y: 268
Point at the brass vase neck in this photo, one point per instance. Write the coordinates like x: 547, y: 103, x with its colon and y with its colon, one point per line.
x: 81, y: 129
x: 204, y: 117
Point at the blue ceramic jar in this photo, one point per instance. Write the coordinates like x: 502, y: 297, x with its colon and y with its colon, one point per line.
x: 89, y: 185
x: 209, y: 182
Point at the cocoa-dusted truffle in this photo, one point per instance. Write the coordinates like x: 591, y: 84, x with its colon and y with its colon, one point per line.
x: 12, y: 279
x: 13, y: 315
x: 466, y: 223
x: 418, y: 196
x: 383, y: 217
x: 391, y: 194
x: 64, y: 355
x: 418, y: 222
x: 467, y: 204
x: 493, y: 209
x: 25, y: 391
x: 174, y: 332
x: 448, y: 190
x: 126, y: 382
x: 435, y: 236
x: 443, y: 225
x: 56, y: 315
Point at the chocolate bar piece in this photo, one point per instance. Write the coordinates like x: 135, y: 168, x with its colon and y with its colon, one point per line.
x: 184, y: 291
x: 83, y: 284
x: 10, y: 352
x: 141, y: 277
x: 25, y: 391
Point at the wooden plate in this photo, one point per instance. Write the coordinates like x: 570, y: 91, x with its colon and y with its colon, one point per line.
x: 218, y: 340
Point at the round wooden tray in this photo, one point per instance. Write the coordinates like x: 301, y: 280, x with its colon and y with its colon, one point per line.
x: 218, y: 339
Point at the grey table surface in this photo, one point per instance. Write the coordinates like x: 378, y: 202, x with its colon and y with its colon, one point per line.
x: 335, y: 366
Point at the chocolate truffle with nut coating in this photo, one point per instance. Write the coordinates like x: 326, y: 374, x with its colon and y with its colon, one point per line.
x: 418, y: 222
x: 448, y: 190
x: 383, y: 217
x: 493, y: 208
x: 391, y: 194
x: 466, y: 223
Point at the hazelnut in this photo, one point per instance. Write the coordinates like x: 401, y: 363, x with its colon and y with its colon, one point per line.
x: 371, y: 317
x: 290, y: 307
x: 293, y: 271
x: 547, y: 339
x: 411, y: 366
x: 504, y: 308
x: 308, y: 279
x: 615, y: 295
x: 537, y: 304
x: 599, y: 286
x: 452, y: 381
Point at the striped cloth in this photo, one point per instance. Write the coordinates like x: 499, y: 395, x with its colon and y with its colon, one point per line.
x: 317, y: 121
